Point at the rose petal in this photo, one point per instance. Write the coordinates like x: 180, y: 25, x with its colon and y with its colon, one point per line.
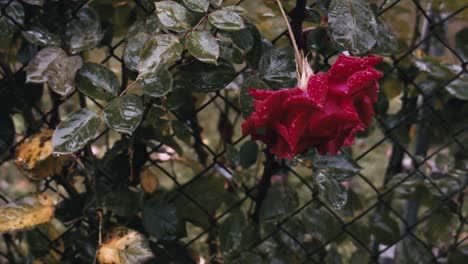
x: 345, y: 66
x: 317, y: 88
x: 359, y: 81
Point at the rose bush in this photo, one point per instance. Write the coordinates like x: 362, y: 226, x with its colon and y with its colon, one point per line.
x: 326, y: 115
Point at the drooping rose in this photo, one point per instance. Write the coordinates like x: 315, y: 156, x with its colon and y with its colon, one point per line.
x: 326, y: 115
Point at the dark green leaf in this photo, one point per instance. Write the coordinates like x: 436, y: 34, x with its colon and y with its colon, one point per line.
x: 459, y: 87
x: 124, y: 113
x: 35, y: 71
x: 41, y: 37
x: 160, y: 50
x: 216, y: 3
x: 226, y: 20
x: 440, y: 227
x: 385, y: 228
x: 386, y: 43
x: 76, y: 131
x: 203, y: 46
x: 202, y: 77
x: 248, y: 258
x: 173, y: 16
x: 97, y: 81
x: 35, y: 2
x: 162, y: 220
x: 9, y: 24
x: 317, y: 38
x: 200, y: 6
x: 461, y: 43
x: 312, y: 15
x: 246, y: 101
x: 158, y: 83
x: 60, y: 74
x: 278, y: 204
x: 84, y: 30
x: 230, y: 232
x: 412, y: 251
x: 181, y: 131
x: 230, y: 53
x: 248, y: 154
x: 278, y: 65
x: 232, y: 155
x: 121, y: 203
x: 135, y: 45
x: 320, y: 224
x: 353, y: 25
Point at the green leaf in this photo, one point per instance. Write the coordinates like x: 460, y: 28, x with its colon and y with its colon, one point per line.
x: 124, y: 113
x: 278, y: 204
x: 61, y: 72
x: 226, y: 20
x: 216, y: 3
x: 162, y: 220
x: 230, y: 53
x: 41, y: 37
x: 386, y: 43
x: 461, y: 43
x: 173, y: 15
x: 121, y: 203
x: 35, y: 71
x: 353, y: 25
x: 320, y: 224
x: 248, y: 258
x: 230, y: 232
x: 341, y: 166
x: 236, y: 9
x: 200, y: 6
x: 75, y: 132
x: 412, y: 251
x: 181, y: 131
x: 203, y: 77
x: 232, y: 155
x: 440, y: 227
x: 385, y: 228
x: 158, y: 83
x: 160, y: 50
x: 9, y: 24
x: 331, y: 189
x: 248, y: 154
x: 135, y: 45
x: 35, y: 2
x: 278, y: 65
x: 203, y: 46
x: 97, y: 81
x: 84, y: 30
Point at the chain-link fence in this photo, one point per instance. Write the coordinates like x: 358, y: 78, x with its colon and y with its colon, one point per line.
x: 406, y: 203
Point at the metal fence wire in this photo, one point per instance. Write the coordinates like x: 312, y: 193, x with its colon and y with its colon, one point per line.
x: 405, y: 204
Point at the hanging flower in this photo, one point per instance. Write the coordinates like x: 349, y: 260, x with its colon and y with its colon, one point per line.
x: 324, y: 113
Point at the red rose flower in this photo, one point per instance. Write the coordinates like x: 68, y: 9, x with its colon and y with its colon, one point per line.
x: 326, y: 115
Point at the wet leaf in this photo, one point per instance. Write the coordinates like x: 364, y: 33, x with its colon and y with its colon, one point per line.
x: 72, y: 134
x: 385, y: 228
x: 97, y: 81
x: 246, y: 101
x: 200, y: 6
x: 203, y: 46
x: 160, y: 50
x: 148, y: 180
x: 26, y: 213
x: 386, y: 43
x: 34, y: 156
x: 41, y: 37
x: 124, y: 246
x: 181, y: 131
x: 352, y: 25
x: 248, y: 154
x: 135, y: 45
x: 331, y: 189
x: 35, y: 71
x: 458, y: 87
x: 35, y: 2
x: 226, y: 20
x: 9, y: 24
x: 158, y: 83
x: 236, y: 9
x: 278, y: 65
x: 230, y: 53
x: 461, y: 43
x: 61, y: 74
x: 173, y: 15
x: 202, y: 77
x: 84, y: 30
x: 341, y: 166
x: 216, y: 3
x: 162, y: 220
x: 124, y: 113
x: 121, y: 203
x: 321, y: 224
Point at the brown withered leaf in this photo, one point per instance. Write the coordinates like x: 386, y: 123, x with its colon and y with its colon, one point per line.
x: 148, y: 180
x: 124, y: 246
x: 26, y: 213
x: 34, y: 156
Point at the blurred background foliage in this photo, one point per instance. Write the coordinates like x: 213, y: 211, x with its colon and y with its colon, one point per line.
x: 184, y: 186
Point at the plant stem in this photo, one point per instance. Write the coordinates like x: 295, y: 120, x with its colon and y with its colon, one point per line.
x: 297, y: 53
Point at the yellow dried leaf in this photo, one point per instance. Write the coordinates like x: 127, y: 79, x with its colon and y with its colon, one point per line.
x: 124, y: 246
x: 34, y: 156
x: 148, y: 180
x: 26, y: 213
